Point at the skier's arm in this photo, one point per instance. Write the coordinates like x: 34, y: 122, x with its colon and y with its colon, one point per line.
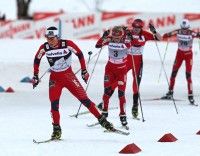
x: 76, y: 50
x: 157, y: 35
x: 169, y: 34
x: 195, y: 34
x: 104, y: 40
x: 40, y: 53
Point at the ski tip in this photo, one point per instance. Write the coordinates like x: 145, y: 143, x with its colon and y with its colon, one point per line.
x: 136, y: 118
x: 34, y: 141
x: 117, y: 131
x: 125, y: 127
x: 193, y: 104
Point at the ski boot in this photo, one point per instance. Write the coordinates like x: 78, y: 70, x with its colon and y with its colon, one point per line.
x: 123, y: 120
x: 104, y: 123
x: 104, y: 113
x: 100, y: 106
x: 168, y: 96
x: 56, y: 132
x: 135, y: 111
x: 191, y: 99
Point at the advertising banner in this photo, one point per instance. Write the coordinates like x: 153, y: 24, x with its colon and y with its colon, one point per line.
x: 91, y: 25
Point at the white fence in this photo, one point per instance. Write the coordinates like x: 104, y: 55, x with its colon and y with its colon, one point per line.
x: 91, y: 25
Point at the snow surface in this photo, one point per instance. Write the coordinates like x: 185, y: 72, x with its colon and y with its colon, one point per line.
x: 184, y: 6
x: 25, y: 114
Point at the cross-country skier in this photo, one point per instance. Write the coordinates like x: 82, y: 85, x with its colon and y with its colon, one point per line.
x: 184, y: 53
x: 116, y: 68
x: 135, y: 57
x: 59, y: 54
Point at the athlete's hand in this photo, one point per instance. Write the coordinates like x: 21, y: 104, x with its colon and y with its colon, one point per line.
x: 106, y: 33
x: 85, y: 75
x: 35, y: 80
x: 198, y: 34
x: 166, y: 35
x: 152, y: 28
x: 129, y: 34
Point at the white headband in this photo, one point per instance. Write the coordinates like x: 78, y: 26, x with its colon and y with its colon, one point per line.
x: 51, y: 33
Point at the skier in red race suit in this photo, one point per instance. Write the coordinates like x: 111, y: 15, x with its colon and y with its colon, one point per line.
x: 59, y: 55
x: 116, y: 69
x: 184, y: 53
x: 135, y: 57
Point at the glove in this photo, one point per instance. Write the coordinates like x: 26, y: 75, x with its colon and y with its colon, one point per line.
x: 35, y: 80
x: 85, y: 75
x: 129, y: 34
x: 106, y: 33
x: 166, y: 35
x: 152, y: 28
x: 124, y: 28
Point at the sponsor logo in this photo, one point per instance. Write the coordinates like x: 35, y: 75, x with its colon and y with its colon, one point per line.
x: 76, y: 82
x: 106, y: 78
x: 116, y: 46
x: 39, y: 56
x: 51, y: 83
x: 64, y: 52
x: 85, y: 21
x: 58, y: 53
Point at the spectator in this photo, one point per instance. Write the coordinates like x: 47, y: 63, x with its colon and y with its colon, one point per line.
x: 23, y: 8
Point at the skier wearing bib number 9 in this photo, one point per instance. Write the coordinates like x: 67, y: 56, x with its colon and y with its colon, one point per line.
x: 115, y: 69
x: 184, y: 53
x: 59, y: 54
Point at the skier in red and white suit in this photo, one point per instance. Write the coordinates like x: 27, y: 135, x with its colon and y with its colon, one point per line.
x: 59, y: 55
x: 184, y: 53
x: 116, y: 69
x: 135, y: 56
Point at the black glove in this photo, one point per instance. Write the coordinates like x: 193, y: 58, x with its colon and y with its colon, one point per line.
x: 124, y: 28
x: 152, y: 28
x: 85, y: 75
x: 35, y: 80
x: 106, y: 33
x: 129, y: 34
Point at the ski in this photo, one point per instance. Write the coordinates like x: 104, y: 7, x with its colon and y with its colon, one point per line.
x: 157, y: 99
x: 193, y: 104
x: 45, y: 141
x: 117, y: 131
x: 93, y: 124
x: 87, y: 112
x: 136, y: 118
x: 125, y: 127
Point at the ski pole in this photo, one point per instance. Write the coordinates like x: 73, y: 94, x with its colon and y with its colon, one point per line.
x: 163, y: 61
x: 137, y: 85
x: 89, y: 80
x: 162, y: 64
x: 199, y: 44
x: 87, y: 62
x: 42, y: 76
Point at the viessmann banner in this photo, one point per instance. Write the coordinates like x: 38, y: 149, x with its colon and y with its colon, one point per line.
x: 91, y: 25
